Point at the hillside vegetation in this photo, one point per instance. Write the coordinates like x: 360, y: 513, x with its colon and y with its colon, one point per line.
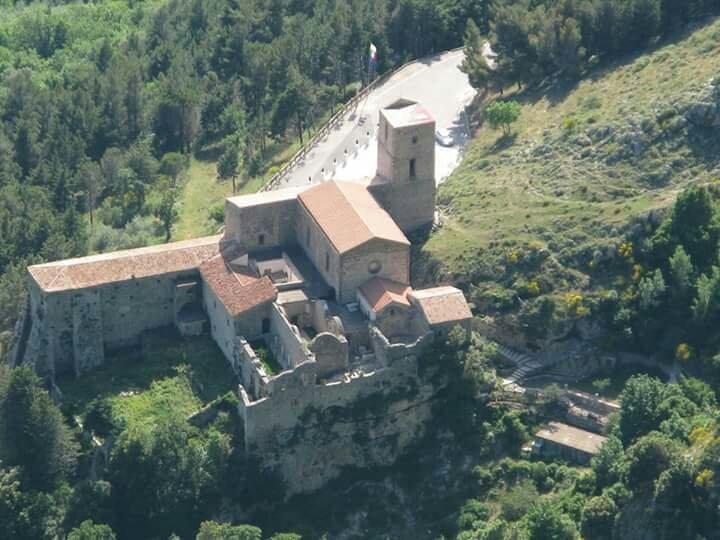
x: 545, y: 210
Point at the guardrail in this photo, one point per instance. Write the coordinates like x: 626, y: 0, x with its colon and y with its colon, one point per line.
x: 335, y: 120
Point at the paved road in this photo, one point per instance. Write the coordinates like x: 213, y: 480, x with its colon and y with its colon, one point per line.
x: 349, y: 152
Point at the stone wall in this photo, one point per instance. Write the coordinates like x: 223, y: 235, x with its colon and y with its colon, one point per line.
x: 397, y: 146
x: 318, y: 248
x: 309, y: 433
x: 89, y: 351
x: 284, y: 340
x: 411, y: 204
x: 250, y: 324
x: 263, y: 226
x: 394, y: 259
x: 331, y: 354
x: 222, y: 326
x: 409, y: 200
x: 131, y: 307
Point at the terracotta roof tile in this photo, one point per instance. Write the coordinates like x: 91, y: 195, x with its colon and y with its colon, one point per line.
x: 84, y: 272
x: 349, y: 215
x: 442, y: 305
x: 379, y: 293
x: 237, y: 288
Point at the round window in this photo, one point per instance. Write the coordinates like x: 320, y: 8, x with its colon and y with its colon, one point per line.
x: 374, y: 267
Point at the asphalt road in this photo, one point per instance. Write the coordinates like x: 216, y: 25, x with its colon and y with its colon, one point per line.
x: 349, y: 152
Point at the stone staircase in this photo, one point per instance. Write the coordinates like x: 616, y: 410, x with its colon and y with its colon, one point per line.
x: 525, y: 364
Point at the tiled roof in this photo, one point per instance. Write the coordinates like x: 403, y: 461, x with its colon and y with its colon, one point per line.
x: 572, y: 437
x: 379, y: 293
x: 237, y: 288
x: 442, y: 305
x: 349, y: 216
x: 84, y: 272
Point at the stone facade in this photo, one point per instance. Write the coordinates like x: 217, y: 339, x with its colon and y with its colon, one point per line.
x: 339, y: 383
x: 405, y: 181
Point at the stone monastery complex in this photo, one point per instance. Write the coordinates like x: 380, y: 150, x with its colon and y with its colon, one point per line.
x: 318, y: 278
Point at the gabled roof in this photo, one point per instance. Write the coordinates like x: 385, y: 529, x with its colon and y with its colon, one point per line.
x: 84, y: 272
x: 380, y: 293
x: 442, y: 305
x: 236, y: 287
x: 349, y: 215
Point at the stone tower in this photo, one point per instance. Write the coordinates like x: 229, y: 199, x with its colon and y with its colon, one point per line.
x: 405, y: 180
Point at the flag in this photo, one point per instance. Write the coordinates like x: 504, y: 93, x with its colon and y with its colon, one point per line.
x: 373, y: 53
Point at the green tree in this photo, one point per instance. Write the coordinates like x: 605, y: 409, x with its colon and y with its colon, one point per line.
x: 229, y: 165
x: 598, y: 517
x: 90, y: 531
x: 166, y: 212
x: 545, y: 521
x: 640, y: 406
x: 609, y: 461
x: 210, y: 530
x: 681, y: 270
x: 474, y: 64
x: 648, y: 458
x: 172, y: 165
x: 693, y: 224
x: 651, y: 290
x: 33, y: 435
x: 502, y: 114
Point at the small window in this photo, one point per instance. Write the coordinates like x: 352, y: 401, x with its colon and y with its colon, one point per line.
x: 307, y: 235
x: 261, y: 239
x: 392, y: 312
x: 374, y: 267
x: 412, y: 168
x: 414, y: 139
x: 327, y: 262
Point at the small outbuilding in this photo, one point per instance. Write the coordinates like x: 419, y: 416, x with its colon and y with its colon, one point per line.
x: 567, y: 442
x: 443, y: 308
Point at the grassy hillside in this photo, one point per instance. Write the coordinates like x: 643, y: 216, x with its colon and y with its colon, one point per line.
x: 533, y: 213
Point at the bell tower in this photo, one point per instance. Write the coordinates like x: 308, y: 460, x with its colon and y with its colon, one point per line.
x: 405, y: 180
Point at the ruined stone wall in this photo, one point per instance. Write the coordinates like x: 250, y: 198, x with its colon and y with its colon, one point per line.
x: 394, y: 259
x: 250, y: 324
x: 308, y: 434
x: 318, y: 248
x: 262, y: 226
x: 285, y: 341
x: 331, y: 353
x: 395, y: 320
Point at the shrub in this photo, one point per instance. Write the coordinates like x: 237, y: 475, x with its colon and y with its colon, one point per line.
x: 518, y: 500
x: 569, y: 124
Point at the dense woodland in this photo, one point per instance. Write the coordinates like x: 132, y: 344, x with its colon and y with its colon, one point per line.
x: 101, y: 106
